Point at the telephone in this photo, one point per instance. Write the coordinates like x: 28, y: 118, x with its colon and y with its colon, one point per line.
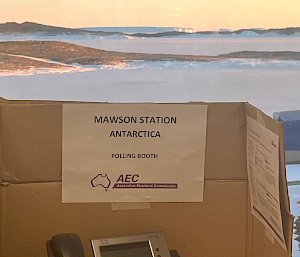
x: 146, y: 245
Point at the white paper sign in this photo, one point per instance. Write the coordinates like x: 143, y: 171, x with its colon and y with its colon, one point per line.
x: 263, y: 175
x: 133, y: 152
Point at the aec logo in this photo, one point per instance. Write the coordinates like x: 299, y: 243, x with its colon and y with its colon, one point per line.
x: 104, y: 181
x: 129, y: 181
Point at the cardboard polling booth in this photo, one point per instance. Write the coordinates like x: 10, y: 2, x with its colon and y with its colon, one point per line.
x: 235, y: 219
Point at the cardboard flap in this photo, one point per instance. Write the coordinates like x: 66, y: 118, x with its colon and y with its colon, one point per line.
x: 31, y: 142
x: 262, y: 246
x: 32, y: 138
x: 2, y: 100
x: 287, y: 218
x: 225, y: 155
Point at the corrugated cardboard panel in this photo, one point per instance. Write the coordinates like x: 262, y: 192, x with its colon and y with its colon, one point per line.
x: 262, y: 246
x: 284, y: 198
x: 31, y: 141
x: 31, y: 135
x: 3, y: 218
x: 226, y: 142
x: 214, y: 228
x: 249, y: 228
x: 3, y: 199
x: 1, y: 162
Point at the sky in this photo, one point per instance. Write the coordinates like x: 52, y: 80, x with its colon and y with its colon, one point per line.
x: 197, y: 14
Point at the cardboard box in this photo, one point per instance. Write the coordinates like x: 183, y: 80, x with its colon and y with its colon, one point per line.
x: 221, y: 226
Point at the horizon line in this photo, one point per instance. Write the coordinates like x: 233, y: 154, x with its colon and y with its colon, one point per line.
x: 149, y: 26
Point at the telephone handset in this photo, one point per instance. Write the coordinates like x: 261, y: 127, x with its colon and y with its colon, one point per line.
x: 65, y: 245
x: 69, y: 245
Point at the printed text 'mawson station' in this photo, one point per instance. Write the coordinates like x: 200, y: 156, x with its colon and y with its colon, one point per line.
x: 135, y: 119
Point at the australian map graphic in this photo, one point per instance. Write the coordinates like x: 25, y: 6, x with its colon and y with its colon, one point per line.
x: 101, y: 180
